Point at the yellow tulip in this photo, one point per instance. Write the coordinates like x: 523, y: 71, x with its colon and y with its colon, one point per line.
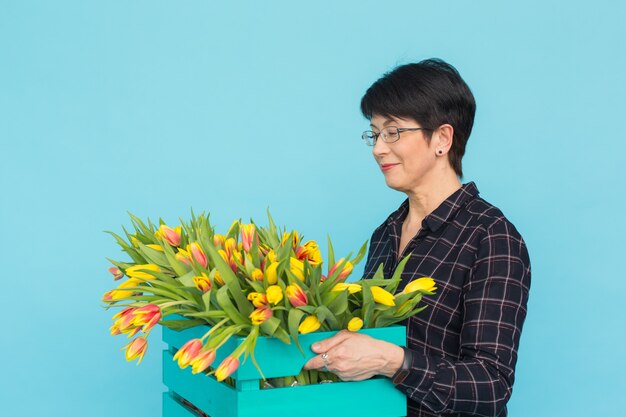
x: 257, y: 274
x: 274, y: 294
x: 202, y: 282
x: 156, y: 247
x: 309, y: 324
x: 421, y: 284
x: 271, y: 273
x: 121, y: 292
x: 297, y: 267
x: 271, y: 256
x: 382, y: 296
x: 342, y: 286
x: 258, y: 299
x: 355, y: 324
x: 137, y: 271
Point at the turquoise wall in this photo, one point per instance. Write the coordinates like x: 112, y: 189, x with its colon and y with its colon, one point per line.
x: 155, y: 107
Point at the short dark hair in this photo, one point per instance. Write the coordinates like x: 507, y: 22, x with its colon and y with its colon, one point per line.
x: 430, y: 92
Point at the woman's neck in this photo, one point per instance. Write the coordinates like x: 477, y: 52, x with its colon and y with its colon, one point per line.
x: 426, y: 198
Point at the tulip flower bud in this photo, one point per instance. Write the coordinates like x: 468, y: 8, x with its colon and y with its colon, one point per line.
x: 116, y: 272
x: 218, y: 278
x: 198, y: 254
x: 146, y: 316
x: 247, y: 236
x: 258, y: 299
x: 136, y: 349
x: 421, y: 284
x: 296, y: 296
x: 355, y: 324
x: 297, y: 267
x: 188, y: 352
x: 138, y: 271
x: 156, y: 247
x: 382, y: 297
x: 218, y: 240
x: 271, y: 273
x: 261, y: 315
x: 204, y: 359
x: 202, y: 282
x: 257, y: 274
x: 274, y: 294
x: 121, y: 291
x: 342, y: 286
x: 226, y: 368
x: 183, y: 256
x: 346, y: 269
x: 171, y: 236
x: 309, y: 324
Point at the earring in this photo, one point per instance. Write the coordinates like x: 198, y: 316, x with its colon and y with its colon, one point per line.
x: 439, y: 152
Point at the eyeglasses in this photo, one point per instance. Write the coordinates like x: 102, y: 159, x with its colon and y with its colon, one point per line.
x: 389, y: 134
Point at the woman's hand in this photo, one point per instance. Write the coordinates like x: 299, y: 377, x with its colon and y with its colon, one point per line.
x: 355, y: 356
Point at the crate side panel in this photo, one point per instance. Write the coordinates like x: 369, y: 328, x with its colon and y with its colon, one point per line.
x: 204, y: 392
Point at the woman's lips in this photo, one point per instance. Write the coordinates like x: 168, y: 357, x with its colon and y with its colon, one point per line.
x: 387, y: 167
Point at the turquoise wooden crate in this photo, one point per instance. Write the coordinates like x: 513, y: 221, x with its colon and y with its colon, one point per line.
x: 376, y: 397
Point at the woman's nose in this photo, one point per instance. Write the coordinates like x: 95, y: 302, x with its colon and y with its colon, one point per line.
x: 380, y: 148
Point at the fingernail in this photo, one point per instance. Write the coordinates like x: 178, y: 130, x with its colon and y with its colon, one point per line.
x: 315, y: 346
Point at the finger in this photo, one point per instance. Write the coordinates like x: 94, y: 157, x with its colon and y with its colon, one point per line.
x: 315, y: 362
x: 327, y: 344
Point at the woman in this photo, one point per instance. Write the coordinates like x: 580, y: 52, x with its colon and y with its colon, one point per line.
x: 461, y: 351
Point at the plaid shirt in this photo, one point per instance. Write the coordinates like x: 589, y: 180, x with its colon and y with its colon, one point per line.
x: 465, y: 343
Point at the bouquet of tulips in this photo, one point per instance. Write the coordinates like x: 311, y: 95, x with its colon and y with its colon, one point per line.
x: 251, y: 281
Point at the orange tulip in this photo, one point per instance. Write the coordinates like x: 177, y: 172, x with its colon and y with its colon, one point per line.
x: 188, y: 352
x: 146, y: 317
x: 311, y: 252
x: 183, y: 256
x: 260, y: 315
x: 218, y: 240
x: 204, y: 359
x: 226, y: 368
x: 198, y: 254
x: 116, y: 272
x: 171, y: 236
x: 296, y: 296
x: 247, y: 236
x: 346, y: 269
x: 136, y: 349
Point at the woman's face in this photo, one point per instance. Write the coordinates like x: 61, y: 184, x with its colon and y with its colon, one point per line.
x: 408, y: 163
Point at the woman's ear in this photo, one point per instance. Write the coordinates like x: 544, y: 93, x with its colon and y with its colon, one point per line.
x: 442, y: 139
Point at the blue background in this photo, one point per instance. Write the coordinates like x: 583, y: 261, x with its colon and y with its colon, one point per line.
x: 156, y: 107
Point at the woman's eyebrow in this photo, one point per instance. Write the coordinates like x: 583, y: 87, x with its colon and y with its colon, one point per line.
x: 385, y: 123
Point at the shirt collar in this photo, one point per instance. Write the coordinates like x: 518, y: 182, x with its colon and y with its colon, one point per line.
x: 441, y: 214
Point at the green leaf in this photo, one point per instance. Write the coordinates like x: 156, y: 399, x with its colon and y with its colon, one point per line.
x: 179, y: 325
x: 331, y: 253
x: 226, y: 304
x: 360, y: 255
x: 231, y: 280
x: 270, y: 325
x: 324, y: 314
x: 295, y: 317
